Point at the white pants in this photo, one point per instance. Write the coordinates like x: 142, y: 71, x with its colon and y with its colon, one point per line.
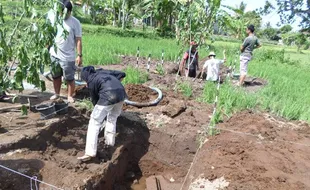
x: 244, y: 61
x: 95, y: 123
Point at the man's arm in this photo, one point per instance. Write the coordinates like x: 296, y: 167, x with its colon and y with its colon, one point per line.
x: 242, y: 48
x: 224, y: 55
x: 244, y: 45
x: 258, y: 45
x: 182, y: 65
x: 79, y: 59
x: 204, y: 69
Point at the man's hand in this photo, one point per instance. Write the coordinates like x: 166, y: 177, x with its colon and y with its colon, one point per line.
x: 79, y: 61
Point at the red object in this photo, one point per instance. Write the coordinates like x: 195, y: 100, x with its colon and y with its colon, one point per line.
x: 193, y: 43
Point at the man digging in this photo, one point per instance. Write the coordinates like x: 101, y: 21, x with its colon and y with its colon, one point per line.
x: 250, y: 43
x: 189, y: 64
x: 107, y: 95
x: 212, y: 66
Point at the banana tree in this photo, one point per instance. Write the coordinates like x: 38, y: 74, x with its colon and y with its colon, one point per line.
x: 196, y: 20
x: 236, y: 19
x: 25, y: 44
x: 163, y: 11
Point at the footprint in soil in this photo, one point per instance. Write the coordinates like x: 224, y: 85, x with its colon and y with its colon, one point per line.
x: 71, y: 166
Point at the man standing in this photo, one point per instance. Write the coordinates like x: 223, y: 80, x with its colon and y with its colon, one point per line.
x: 64, y: 55
x: 189, y: 64
x: 250, y: 43
x: 107, y: 95
x: 212, y: 66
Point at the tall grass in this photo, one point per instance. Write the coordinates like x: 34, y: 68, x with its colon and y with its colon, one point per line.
x: 285, y: 95
x: 288, y: 91
x: 185, y: 88
x: 231, y: 99
x: 105, y: 49
x: 134, y: 76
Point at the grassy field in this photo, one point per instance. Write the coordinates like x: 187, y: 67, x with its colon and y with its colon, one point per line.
x: 286, y: 70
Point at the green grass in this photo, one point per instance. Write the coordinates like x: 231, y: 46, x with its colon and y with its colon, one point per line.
x: 160, y: 69
x: 285, y: 95
x: 85, y: 104
x: 105, y: 49
x: 185, y: 88
x: 134, y: 76
x: 230, y: 99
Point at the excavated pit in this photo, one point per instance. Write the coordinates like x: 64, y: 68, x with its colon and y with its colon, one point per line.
x: 49, y: 151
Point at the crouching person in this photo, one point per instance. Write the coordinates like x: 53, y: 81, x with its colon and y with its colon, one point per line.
x: 107, y: 95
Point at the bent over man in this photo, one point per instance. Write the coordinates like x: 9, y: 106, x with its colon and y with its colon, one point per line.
x: 107, y: 95
x: 212, y: 66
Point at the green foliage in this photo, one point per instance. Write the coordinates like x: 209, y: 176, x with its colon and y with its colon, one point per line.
x: 185, y: 88
x: 271, y: 33
x: 24, y: 40
x: 230, y: 99
x: 284, y: 94
x: 105, y: 49
x: 236, y: 19
x: 290, y: 10
x: 24, y: 110
x: 100, y: 30
x: 286, y: 29
x: 134, y: 76
x: 196, y: 20
x: 160, y: 69
x: 85, y: 104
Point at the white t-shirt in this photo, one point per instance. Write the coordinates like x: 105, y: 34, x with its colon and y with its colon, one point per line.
x: 65, y: 50
x: 213, y: 66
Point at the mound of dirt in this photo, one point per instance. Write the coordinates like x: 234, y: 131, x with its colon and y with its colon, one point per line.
x: 140, y: 93
x: 253, y: 152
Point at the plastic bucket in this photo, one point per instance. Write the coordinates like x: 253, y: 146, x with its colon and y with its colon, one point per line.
x: 61, y: 108
x: 47, y: 111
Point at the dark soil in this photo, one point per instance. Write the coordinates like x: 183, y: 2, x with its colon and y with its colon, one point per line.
x: 140, y: 93
x: 266, y: 160
x: 50, y: 153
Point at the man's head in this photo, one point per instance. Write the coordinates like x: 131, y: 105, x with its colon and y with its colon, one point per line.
x: 211, y: 55
x: 86, y: 71
x: 68, y: 5
x: 250, y: 29
x: 194, y: 46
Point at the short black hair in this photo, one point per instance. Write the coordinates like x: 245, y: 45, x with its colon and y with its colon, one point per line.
x: 66, y: 4
x: 251, y: 28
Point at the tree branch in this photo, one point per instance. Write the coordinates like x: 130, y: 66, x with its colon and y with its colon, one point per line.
x: 16, y: 27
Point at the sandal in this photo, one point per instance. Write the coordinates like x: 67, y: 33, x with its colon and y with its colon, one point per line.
x: 54, y: 97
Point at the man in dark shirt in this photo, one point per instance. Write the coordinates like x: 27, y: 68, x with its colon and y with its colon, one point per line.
x: 189, y: 64
x: 107, y: 95
x: 250, y: 43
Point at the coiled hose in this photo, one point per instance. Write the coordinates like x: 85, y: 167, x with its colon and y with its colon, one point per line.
x: 146, y: 104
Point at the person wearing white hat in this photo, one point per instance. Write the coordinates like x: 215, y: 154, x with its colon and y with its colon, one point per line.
x: 212, y: 66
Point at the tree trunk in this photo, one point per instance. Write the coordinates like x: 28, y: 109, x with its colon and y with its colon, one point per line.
x: 151, y: 20
x: 114, y: 14
x: 124, y: 14
x: 119, y: 15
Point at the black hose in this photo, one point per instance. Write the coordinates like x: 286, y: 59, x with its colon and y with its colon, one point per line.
x: 146, y: 104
